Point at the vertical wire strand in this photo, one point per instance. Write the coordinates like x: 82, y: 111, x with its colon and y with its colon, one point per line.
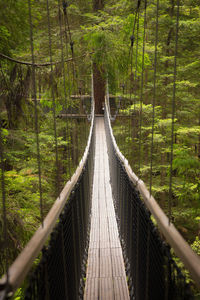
x: 36, y: 110
x: 132, y: 38
x: 4, y: 210
x: 64, y: 76
x: 67, y: 28
x: 130, y: 96
x: 69, y: 92
x: 136, y: 55
x: 154, y: 97
x: 173, y: 113
x: 57, y: 185
x: 141, y: 93
x: 152, y: 147
x: 136, y: 70
x: 70, y: 39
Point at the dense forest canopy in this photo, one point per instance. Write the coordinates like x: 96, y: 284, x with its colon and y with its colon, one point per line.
x: 99, y: 32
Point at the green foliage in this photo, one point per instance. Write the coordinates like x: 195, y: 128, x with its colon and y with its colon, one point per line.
x: 184, y: 163
x: 17, y: 112
x: 196, y: 245
x: 5, y: 35
x: 186, y: 145
x: 13, y: 25
x: 109, y: 38
x: 18, y: 295
x: 21, y: 176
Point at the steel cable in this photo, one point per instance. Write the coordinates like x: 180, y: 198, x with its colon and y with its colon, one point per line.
x: 136, y: 56
x: 154, y: 97
x: 152, y: 146
x: 65, y: 5
x: 141, y: 93
x: 173, y: 113
x: 130, y: 56
x: 36, y: 110
x: 57, y: 183
x: 64, y: 82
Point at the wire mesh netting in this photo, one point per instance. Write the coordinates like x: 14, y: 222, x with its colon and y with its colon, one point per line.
x: 152, y: 272
x: 62, y: 268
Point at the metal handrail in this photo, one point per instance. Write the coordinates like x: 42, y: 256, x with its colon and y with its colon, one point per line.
x: 23, y: 263
x: 182, y: 249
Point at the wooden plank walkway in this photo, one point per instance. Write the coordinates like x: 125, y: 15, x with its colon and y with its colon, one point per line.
x: 106, y: 278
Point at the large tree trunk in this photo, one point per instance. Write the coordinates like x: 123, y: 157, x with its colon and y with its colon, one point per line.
x: 99, y: 88
x: 98, y: 4
x: 17, y: 94
x: 99, y: 73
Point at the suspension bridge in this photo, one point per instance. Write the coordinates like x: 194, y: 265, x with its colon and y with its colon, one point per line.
x: 98, y: 240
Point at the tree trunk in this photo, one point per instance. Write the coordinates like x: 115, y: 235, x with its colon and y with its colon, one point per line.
x: 98, y: 4
x: 99, y: 88
x: 16, y: 95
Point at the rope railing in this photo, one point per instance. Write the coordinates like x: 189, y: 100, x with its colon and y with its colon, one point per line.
x: 151, y: 269
x: 61, y: 270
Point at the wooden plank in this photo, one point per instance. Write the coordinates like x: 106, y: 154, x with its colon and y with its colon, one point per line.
x: 117, y: 262
x: 80, y: 96
x: 105, y: 244
x: 93, y: 263
x: 94, y: 244
x: 92, y: 289
x: 106, y: 289
x: 113, y: 232
x: 105, y: 263
x: 120, y: 288
x: 115, y: 244
x: 72, y: 116
x: 104, y: 233
x: 94, y: 234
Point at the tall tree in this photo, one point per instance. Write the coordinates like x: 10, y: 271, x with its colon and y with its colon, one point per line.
x: 98, y: 4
